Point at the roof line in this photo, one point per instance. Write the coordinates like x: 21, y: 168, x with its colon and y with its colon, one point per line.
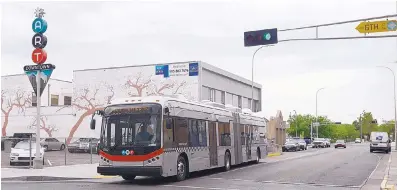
x: 25, y: 74
x: 119, y: 67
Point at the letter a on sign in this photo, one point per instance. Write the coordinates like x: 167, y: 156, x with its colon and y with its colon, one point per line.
x: 39, y: 25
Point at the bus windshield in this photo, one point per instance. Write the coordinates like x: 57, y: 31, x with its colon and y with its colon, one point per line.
x: 131, y: 125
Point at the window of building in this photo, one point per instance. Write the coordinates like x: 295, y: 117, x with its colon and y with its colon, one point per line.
x: 239, y: 102
x: 249, y: 103
x: 222, y: 97
x: 205, y: 93
x: 67, y: 100
x: 34, y: 99
x: 218, y: 96
x: 212, y: 95
x: 224, y: 134
x: 229, y: 99
x: 181, y: 132
x: 235, y: 100
x: 54, y: 100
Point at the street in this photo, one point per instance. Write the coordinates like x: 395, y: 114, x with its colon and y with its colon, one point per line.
x: 326, y: 168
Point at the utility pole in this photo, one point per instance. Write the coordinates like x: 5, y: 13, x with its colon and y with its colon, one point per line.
x: 296, y: 124
x: 316, y: 111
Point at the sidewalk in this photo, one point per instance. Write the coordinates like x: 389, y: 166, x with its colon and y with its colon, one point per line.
x: 71, y: 172
x: 391, y: 172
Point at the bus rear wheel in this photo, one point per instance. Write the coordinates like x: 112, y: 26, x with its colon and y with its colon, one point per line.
x: 128, y: 177
x: 227, y: 161
x: 181, y: 169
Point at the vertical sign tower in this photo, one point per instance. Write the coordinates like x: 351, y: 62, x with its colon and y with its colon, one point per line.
x: 39, y: 74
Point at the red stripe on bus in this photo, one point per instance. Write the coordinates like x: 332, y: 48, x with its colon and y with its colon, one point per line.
x: 131, y: 157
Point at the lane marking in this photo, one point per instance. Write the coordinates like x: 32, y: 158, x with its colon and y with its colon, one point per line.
x: 290, y: 183
x: 104, y: 176
x: 197, y: 187
x: 373, y: 171
x: 49, y: 163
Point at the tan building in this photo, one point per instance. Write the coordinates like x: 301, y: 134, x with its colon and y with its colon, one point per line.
x: 277, y: 129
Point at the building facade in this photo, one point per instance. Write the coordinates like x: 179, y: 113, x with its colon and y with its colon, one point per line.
x: 18, y: 106
x: 93, y: 89
x: 277, y: 129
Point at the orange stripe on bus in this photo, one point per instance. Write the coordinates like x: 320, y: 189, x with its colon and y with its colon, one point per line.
x: 131, y: 157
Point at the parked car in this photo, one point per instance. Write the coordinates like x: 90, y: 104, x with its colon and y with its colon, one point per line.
x: 358, y: 140
x: 18, y: 137
x: 83, y: 145
x: 52, y: 144
x: 340, y: 143
x: 291, y: 145
x: 380, y: 142
x: 25, y: 152
x: 302, y: 144
x: 319, y: 143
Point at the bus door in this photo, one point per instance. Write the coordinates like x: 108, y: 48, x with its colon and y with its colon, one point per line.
x: 248, y: 131
x: 237, y: 139
x: 213, y: 143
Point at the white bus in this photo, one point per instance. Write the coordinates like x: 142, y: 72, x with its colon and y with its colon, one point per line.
x: 168, y: 136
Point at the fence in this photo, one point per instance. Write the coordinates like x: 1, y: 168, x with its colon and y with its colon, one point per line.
x: 19, y: 152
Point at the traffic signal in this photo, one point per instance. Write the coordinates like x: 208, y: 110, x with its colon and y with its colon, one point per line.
x: 260, y: 37
x: 374, y: 121
x: 338, y: 123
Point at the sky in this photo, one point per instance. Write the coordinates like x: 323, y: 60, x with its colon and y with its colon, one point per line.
x: 90, y: 34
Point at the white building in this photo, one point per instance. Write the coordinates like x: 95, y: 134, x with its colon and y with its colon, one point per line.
x: 18, y: 106
x: 95, y: 88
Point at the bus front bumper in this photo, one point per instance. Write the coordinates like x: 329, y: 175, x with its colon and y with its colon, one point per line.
x: 131, y: 170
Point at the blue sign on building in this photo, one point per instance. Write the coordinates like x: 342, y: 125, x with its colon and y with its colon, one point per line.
x: 193, y: 69
x: 159, y: 70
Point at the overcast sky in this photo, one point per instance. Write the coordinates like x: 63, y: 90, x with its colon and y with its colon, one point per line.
x: 84, y: 35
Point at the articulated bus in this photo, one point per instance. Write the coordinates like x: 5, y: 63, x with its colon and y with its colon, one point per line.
x: 171, y: 136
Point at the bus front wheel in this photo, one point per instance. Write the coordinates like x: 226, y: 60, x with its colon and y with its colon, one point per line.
x: 181, y: 169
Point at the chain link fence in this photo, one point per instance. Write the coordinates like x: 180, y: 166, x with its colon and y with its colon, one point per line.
x: 20, y: 152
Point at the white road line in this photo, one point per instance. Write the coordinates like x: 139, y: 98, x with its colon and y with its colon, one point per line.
x: 196, y: 187
x: 49, y: 163
x: 373, y: 171
x: 290, y: 183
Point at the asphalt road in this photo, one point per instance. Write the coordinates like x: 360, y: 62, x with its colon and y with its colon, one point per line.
x: 312, y: 169
x: 55, y: 158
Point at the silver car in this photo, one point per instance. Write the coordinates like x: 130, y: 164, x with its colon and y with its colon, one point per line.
x: 52, y: 144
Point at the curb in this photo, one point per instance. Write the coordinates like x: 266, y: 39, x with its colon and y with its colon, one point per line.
x: 42, y: 178
x: 104, y: 176
x: 383, y: 185
x: 274, y: 154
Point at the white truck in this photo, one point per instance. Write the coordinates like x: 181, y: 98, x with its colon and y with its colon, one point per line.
x: 380, y: 142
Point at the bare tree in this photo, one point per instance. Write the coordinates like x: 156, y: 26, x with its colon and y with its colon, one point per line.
x: 21, y: 100
x: 136, y: 84
x: 160, y: 88
x: 48, y: 128
x: 88, y: 102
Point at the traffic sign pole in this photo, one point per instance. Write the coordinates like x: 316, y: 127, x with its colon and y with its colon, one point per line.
x: 37, y: 164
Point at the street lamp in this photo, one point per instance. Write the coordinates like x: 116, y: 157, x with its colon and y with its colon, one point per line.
x: 395, y: 107
x: 316, y: 111
x: 252, y: 75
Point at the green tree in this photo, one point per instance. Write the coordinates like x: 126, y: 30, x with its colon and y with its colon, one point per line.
x: 365, y: 119
x: 300, y: 124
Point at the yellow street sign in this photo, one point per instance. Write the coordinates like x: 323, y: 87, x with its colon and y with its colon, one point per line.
x: 377, y: 26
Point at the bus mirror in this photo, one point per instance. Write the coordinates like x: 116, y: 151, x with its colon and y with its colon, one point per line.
x: 99, y: 112
x: 92, y: 124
